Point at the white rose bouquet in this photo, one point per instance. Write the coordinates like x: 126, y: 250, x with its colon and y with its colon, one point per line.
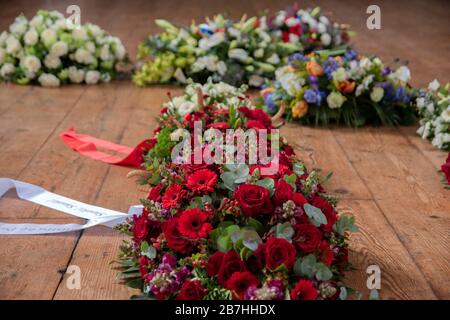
x: 50, y: 50
x: 433, y: 106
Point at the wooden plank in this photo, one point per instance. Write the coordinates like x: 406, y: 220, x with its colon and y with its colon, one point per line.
x: 400, y: 276
x: 406, y: 188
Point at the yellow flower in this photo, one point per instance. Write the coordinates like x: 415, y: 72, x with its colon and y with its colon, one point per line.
x: 300, y: 109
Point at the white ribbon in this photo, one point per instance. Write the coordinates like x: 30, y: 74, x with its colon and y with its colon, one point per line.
x: 28, y: 192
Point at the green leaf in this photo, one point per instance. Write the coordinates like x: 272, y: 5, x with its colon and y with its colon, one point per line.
x: 291, y: 179
x: 345, y: 223
x: 251, y: 239
x: 135, y: 283
x: 315, y: 214
x: 256, y: 225
x: 323, y: 273
x: 299, y: 168
x: 374, y: 295
x: 284, y: 231
x: 224, y: 243
x: 343, y: 293
x: 267, y: 183
x: 305, y: 267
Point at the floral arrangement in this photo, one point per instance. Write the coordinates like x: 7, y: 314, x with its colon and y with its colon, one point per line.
x: 49, y: 50
x: 340, y: 86
x: 232, y: 231
x: 308, y: 28
x: 233, y: 52
x: 433, y: 106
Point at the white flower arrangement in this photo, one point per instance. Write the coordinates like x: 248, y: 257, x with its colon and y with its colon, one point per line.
x: 433, y: 106
x: 49, y: 51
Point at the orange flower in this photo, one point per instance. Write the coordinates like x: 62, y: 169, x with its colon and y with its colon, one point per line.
x: 338, y: 59
x: 314, y: 68
x: 300, y: 109
x: 346, y: 86
x: 266, y: 91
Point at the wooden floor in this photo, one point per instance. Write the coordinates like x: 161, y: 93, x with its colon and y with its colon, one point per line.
x: 387, y: 177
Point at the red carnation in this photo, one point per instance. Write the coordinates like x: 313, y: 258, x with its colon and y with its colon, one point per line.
x: 174, y: 239
x: 304, y: 290
x: 202, y: 181
x: 173, y: 196
x: 231, y: 263
x: 139, y: 227
x: 275, y: 252
x: 240, y: 282
x: 257, y: 114
x: 219, y: 125
x: 299, y: 199
x: 192, y: 223
x: 192, y: 290
x: 326, y: 253
x: 214, y: 263
x: 307, y: 237
x: 255, y: 124
x: 327, y: 210
x: 446, y: 168
x: 283, y: 192
x: 253, y: 199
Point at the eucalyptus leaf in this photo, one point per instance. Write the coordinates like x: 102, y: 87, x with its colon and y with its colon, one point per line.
x: 224, y: 243
x: 315, y: 214
x: 323, y: 273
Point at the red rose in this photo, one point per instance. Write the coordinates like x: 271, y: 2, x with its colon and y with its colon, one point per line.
x: 175, y: 240
x: 192, y: 290
x: 143, y: 264
x: 282, y: 170
x: 275, y: 252
x: 306, y: 237
x: 174, y: 194
x: 155, y: 193
x: 192, y: 223
x: 326, y: 253
x: 283, y: 192
x: 240, y: 282
x: 253, y: 199
x: 202, y: 181
x: 214, y: 263
x: 299, y: 199
x: 257, y: 114
x: 139, y: 227
x: 446, y: 168
x: 153, y: 229
x: 304, y: 290
x: 327, y: 210
x: 231, y: 263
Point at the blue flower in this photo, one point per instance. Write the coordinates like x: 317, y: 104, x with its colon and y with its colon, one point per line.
x: 401, y: 95
x: 297, y: 57
x: 350, y: 55
x: 389, y: 93
x: 268, y: 100
x: 312, y: 97
x: 330, y: 66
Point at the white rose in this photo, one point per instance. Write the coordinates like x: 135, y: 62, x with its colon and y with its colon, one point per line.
x: 48, y: 80
x: 37, y: 21
x: 92, y: 77
x: 90, y: 46
x: 76, y: 75
x: 60, y: 24
x: 430, y: 107
x: 31, y: 37
x: 52, y: 62
x: 339, y: 74
x: 445, y: 115
x: 292, y: 83
x: 273, y: 59
x: 56, y: 15
x: 434, y: 85
x: 212, y: 41
x: 59, y: 49
x: 19, y: 27
x: 2, y: 56
x: 402, y: 74
x: 238, y: 54
x: 377, y: 94
x: 279, y: 19
x: 255, y: 80
x: 119, y: 50
x: 438, y: 140
x: 31, y: 63
x: 259, y: 53
x: 365, y: 63
x: 359, y: 90
x: 321, y: 27
x: 176, y: 102
x: 3, y: 37
x: 325, y: 38
x: 105, y: 53
x: 83, y: 56
x: 335, y: 100
x: 324, y: 20
x: 48, y: 36
x: 221, y: 68
x: 7, y: 69
x: 234, y: 32
x: 95, y: 30
x: 420, y: 102
x: 13, y: 45
x: 79, y: 34
x: 186, y: 107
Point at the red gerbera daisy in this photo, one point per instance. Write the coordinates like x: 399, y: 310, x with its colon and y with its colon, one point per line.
x: 173, y: 196
x: 304, y: 290
x: 239, y: 282
x: 202, y: 181
x: 193, y: 224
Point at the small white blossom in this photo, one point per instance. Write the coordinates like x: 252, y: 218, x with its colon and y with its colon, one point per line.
x: 48, y: 80
x: 92, y: 77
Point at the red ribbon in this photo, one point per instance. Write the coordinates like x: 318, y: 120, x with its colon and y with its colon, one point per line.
x: 87, y: 146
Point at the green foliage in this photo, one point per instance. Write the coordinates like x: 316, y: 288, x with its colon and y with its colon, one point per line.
x: 315, y: 215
